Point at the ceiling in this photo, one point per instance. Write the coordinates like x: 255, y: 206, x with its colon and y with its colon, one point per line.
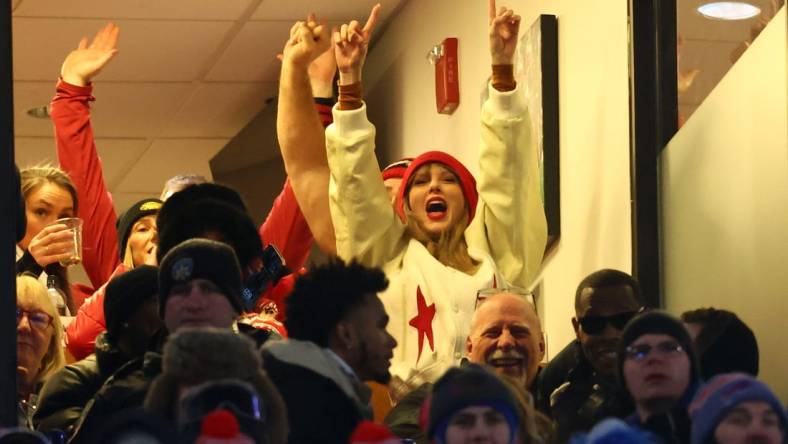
x: 191, y: 73
x: 712, y: 46
x: 189, y: 76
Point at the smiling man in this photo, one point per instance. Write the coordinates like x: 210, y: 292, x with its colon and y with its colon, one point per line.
x: 505, y: 335
x: 579, y: 394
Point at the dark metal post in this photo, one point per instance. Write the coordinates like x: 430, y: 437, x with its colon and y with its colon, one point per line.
x: 8, y: 212
x: 654, y: 121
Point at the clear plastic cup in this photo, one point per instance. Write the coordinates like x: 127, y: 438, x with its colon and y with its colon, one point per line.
x: 74, y: 225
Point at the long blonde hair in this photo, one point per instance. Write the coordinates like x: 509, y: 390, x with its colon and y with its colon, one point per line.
x: 449, y: 247
x: 54, y: 358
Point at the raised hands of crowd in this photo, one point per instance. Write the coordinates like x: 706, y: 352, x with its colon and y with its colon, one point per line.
x: 504, y: 29
x: 351, y: 43
x: 84, y: 63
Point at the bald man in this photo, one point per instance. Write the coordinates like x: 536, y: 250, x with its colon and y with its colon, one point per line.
x: 505, y: 335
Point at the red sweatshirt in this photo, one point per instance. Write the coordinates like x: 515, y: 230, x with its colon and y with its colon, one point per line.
x: 284, y: 227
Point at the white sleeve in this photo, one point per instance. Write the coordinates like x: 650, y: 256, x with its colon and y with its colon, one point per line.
x: 510, y: 219
x: 366, y: 227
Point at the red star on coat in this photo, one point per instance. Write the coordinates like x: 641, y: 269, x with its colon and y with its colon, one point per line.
x: 423, y: 322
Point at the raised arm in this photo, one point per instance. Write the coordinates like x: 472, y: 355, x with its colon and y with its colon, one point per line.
x: 77, y: 153
x: 512, y: 223
x: 365, y: 224
x: 299, y: 127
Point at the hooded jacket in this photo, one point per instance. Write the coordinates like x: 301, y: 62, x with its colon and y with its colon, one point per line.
x: 324, y: 405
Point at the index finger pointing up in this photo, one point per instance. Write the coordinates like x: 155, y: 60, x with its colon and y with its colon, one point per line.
x: 491, y: 10
x: 372, y: 20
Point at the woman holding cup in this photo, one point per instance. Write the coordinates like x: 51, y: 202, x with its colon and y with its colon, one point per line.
x: 53, y: 236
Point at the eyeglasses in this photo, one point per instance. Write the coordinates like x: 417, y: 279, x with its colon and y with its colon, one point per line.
x: 37, y: 319
x: 594, y: 325
x: 666, y: 349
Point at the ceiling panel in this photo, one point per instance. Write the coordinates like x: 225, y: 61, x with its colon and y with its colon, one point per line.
x: 28, y: 95
x: 137, y: 9
x: 29, y: 151
x: 116, y: 154
x: 251, y: 57
x: 136, y: 109
x: 220, y: 109
x: 298, y: 9
x: 149, y: 50
x: 168, y: 157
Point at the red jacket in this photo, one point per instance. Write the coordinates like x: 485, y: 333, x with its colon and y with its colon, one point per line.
x: 284, y: 227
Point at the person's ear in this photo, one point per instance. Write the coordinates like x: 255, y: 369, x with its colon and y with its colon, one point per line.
x: 576, y: 326
x: 347, y: 335
x: 468, y: 345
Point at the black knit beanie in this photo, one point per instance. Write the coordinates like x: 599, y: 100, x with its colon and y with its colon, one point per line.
x: 659, y: 323
x: 208, y: 208
x: 725, y: 344
x: 462, y: 387
x: 126, y: 221
x: 201, y: 259
x: 126, y: 293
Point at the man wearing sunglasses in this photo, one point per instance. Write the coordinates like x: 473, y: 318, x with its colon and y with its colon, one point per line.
x: 659, y: 369
x: 578, y: 388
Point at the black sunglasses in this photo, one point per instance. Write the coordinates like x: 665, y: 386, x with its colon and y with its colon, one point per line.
x: 594, y: 325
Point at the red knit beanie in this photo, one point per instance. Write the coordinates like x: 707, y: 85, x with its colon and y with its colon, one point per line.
x: 467, y: 182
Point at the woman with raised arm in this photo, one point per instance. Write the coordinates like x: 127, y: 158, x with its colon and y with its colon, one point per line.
x: 449, y: 236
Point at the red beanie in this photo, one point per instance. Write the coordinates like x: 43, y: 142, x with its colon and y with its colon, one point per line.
x: 368, y: 432
x: 396, y: 169
x: 467, y: 182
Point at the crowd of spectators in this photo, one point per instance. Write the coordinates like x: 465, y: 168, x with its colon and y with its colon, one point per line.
x: 201, y: 327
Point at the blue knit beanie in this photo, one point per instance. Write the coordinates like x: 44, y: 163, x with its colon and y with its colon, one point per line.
x: 472, y: 385
x: 721, y: 394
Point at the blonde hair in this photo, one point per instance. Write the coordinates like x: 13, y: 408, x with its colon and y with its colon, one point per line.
x: 449, y: 247
x: 54, y: 358
x: 34, y: 177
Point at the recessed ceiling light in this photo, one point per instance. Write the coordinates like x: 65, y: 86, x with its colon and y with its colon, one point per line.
x: 729, y: 10
x: 39, y: 112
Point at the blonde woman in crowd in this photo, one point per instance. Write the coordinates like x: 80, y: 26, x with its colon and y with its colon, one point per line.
x: 39, y: 343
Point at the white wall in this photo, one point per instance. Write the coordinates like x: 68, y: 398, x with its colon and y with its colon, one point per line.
x: 725, y: 201
x: 594, y: 122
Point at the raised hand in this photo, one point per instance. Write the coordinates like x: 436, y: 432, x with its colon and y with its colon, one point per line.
x: 84, y: 63
x: 308, y: 40
x: 350, y: 47
x: 321, y: 73
x: 504, y: 28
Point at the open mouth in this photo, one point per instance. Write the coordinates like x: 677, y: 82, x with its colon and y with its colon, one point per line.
x: 505, y: 362
x: 436, y: 208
